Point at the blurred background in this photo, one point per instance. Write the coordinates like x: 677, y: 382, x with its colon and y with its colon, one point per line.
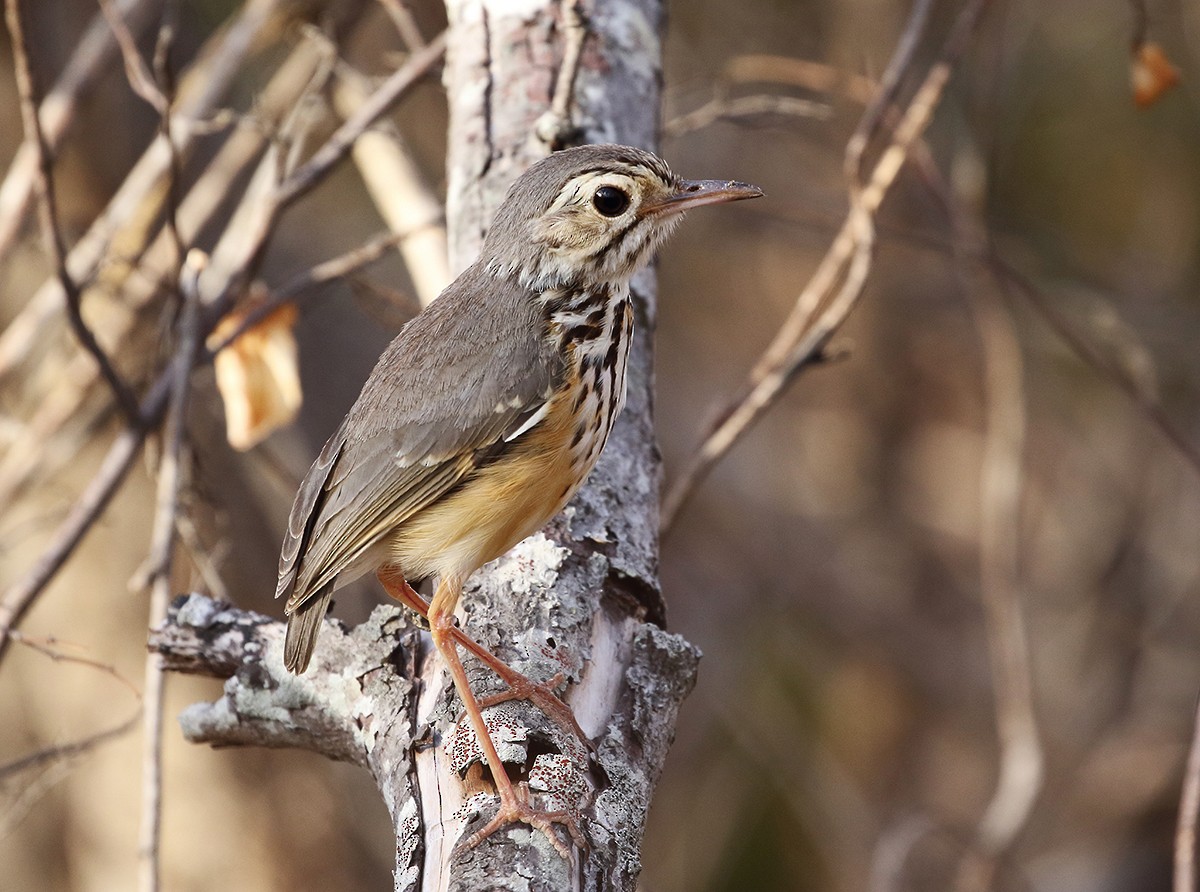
x: 836, y: 566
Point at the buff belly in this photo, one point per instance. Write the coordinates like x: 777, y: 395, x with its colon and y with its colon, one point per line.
x: 498, y: 506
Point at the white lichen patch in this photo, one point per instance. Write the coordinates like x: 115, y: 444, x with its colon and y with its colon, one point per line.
x: 529, y: 567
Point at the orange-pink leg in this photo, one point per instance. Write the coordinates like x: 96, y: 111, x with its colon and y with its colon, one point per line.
x: 520, y: 687
x: 514, y: 802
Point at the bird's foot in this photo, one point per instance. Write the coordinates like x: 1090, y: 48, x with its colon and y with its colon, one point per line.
x: 520, y: 687
x: 515, y: 808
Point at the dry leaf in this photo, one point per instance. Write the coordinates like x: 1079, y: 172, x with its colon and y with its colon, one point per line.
x: 1151, y: 74
x: 258, y: 375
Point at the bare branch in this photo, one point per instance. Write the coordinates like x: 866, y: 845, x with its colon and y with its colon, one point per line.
x: 48, y: 212
x: 249, y: 246
x: 136, y: 70
x: 726, y: 108
x: 405, y: 22
x: 322, y: 274
x: 1146, y: 402
x: 820, y: 310
x: 65, y: 751
x: 94, y: 52
x: 47, y: 648
x: 162, y: 547
x: 87, y: 508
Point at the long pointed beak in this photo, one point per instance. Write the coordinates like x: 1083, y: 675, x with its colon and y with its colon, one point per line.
x: 694, y: 193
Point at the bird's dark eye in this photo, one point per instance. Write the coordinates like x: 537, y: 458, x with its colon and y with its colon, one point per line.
x: 610, y: 201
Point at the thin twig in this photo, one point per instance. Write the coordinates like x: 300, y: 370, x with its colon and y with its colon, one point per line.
x: 301, y: 180
x: 731, y: 108
x: 817, y: 77
x: 1021, y: 760
x: 556, y: 128
x: 67, y: 750
x: 83, y: 71
x: 162, y: 546
x: 48, y: 212
x: 322, y: 274
x: 46, y: 647
x: 1185, y: 828
x: 87, y: 508
x: 1143, y: 399
x: 405, y: 22
x: 820, y: 311
x: 307, y: 175
x: 136, y: 70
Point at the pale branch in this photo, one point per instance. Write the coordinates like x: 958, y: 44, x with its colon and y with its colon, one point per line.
x: 234, y: 274
x: 406, y: 202
x: 162, y: 550
x: 1189, y: 810
x: 1021, y: 760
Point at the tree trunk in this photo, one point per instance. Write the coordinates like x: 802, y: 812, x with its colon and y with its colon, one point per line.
x: 581, y: 599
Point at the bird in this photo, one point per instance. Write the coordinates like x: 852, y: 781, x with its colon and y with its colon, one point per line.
x: 487, y: 412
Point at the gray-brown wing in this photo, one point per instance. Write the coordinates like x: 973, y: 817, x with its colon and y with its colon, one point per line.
x: 446, y: 396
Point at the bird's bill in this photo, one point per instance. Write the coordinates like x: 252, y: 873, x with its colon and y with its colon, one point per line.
x: 694, y: 193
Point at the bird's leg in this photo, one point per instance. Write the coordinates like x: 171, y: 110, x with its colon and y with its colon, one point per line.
x: 514, y: 802
x: 520, y: 687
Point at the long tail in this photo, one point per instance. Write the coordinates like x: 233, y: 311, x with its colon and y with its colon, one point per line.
x: 303, y: 624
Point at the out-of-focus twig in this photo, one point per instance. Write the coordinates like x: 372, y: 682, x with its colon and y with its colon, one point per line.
x: 86, y: 509
x: 219, y: 292
x: 1021, y: 760
x: 734, y: 107
x: 1146, y: 402
x: 47, y: 648
x: 402, y: 196
x: 67, y: 750
x: 1185, y: 826
x: 48, y: 211
x: 323, y: 273
x: 405, y: 22
x: 817, y: 77
x: 822, y: 306
x: 94, y: 52
x: 136, y: 70
x: 162, y: 549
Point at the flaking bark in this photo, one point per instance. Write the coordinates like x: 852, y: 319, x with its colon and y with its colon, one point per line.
x: 581, y: 600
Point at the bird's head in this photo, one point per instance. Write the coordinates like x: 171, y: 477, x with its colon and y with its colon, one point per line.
x: 594, y: 214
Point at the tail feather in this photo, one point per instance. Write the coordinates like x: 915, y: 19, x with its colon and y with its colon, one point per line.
x: 303, y: 624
